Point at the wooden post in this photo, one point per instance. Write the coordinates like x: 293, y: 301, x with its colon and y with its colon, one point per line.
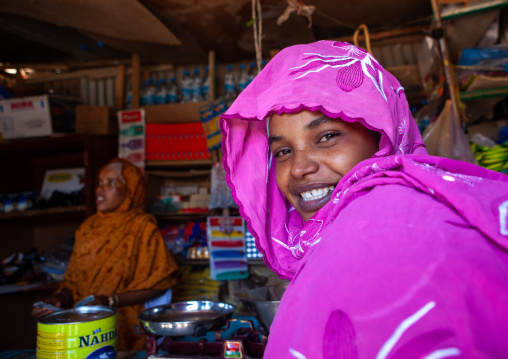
x: 453, y: 88
x: 211, y: 74
x: 120, y: 87
x: 136, y: 73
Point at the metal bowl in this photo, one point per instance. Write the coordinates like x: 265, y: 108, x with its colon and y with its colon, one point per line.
x: 263, y: 302
x: 185, y: 318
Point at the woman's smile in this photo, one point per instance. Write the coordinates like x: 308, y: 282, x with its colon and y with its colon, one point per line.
x: 313, y: 200
x: 317, y: 193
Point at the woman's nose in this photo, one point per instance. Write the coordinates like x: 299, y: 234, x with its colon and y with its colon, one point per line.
x: 303, y: 164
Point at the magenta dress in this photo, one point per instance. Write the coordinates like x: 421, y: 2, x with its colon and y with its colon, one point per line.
x: 409, y: 258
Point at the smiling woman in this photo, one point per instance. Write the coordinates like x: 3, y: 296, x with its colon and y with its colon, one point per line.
x: 391, y: 253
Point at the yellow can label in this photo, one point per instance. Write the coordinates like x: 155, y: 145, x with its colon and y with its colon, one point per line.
x: 88, y: 340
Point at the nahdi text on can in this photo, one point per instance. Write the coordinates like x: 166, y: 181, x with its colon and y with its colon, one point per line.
x: 96, y: 339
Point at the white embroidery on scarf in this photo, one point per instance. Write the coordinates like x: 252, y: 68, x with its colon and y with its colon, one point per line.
x: 291, y: 239
x: 290, y: 248
x: 399, y: 331
x: 503, y: 212
x: 443, y: 353
x: 296, y: 354
x: 469, y: 180
x: 330, y: 61
x: 295, y: 241
x: 399, y: 89
x: 401, y: 130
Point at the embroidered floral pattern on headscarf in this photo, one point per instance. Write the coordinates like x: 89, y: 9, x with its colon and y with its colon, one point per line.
x: 353, y: 66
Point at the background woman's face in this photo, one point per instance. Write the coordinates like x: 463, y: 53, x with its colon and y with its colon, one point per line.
x: 313, y: 153
x: 110, y: 191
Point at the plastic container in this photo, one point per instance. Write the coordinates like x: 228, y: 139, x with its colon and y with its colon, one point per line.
x: 186, y: 91
x: 196, y: 87
x: 148, y: 97
x: 229, y: 86
x: 252, y: 71
x: 172, y: 95
x: 162, y: 92
x: 243, y: 78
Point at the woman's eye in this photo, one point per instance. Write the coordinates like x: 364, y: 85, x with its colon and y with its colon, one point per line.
x: 328, y: 137
x: 282, y: 153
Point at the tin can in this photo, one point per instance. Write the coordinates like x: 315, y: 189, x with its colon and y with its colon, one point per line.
x: 87, y: 332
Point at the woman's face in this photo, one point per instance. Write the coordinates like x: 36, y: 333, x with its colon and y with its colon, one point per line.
x: 313, y: 152
x: 111, y: 190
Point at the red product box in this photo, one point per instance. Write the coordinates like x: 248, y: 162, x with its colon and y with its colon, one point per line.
x: 175, y: 142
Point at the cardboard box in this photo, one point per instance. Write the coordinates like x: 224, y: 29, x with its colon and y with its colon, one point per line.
x: 489, y: 129
x: 174, y: 113
x: 97, y: 120
x: 26, y: 117
x: 65, y: 180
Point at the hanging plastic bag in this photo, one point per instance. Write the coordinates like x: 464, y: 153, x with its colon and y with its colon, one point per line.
x: 220, y: 192
x: 445, y: 138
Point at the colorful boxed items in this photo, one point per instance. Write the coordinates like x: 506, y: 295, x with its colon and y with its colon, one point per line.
x: 175, y: 142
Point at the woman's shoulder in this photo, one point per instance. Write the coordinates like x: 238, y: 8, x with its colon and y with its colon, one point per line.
x: 396, y: 207
x: 145, y: 218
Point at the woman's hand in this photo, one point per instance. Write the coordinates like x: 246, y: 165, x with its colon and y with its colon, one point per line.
x: 56, y: 300
x: 38, y: 312
x: 99, y: 300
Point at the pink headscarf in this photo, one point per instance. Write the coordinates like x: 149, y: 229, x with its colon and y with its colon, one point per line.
x: 406, y: 236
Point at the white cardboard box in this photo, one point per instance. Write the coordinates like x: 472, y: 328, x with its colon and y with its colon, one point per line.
x: 26, y: 117
x: 65, y: 180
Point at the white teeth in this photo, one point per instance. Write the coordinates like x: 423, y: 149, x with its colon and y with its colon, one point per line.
x: 316, y: 193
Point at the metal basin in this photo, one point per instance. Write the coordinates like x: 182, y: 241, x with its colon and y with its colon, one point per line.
x: 185, y: 318
x: 263, y: 302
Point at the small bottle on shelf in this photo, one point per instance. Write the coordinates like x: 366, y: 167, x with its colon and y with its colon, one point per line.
x: 186, y: 87
x: 229, y: 86
x: 196, y: 87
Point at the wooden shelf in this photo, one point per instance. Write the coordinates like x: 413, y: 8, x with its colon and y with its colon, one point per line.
x: 202, y: 262
x: 180, y: 217
x: 174, y: 164
x: 43, y: 212
x: 31, y: 287
x: 54, y: 144
x: 473, y: 9
x: 485, y: 93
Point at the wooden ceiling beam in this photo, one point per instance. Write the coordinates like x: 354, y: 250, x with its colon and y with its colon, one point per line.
x: 28, y: 31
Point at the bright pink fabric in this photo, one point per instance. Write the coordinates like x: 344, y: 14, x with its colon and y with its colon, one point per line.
x: 407, y: 260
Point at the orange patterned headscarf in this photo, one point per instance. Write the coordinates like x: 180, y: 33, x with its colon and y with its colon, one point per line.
x: 136, y: 186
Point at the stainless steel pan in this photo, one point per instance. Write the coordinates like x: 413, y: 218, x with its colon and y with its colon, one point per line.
x: 185, y: 318
x: 263, y: 302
